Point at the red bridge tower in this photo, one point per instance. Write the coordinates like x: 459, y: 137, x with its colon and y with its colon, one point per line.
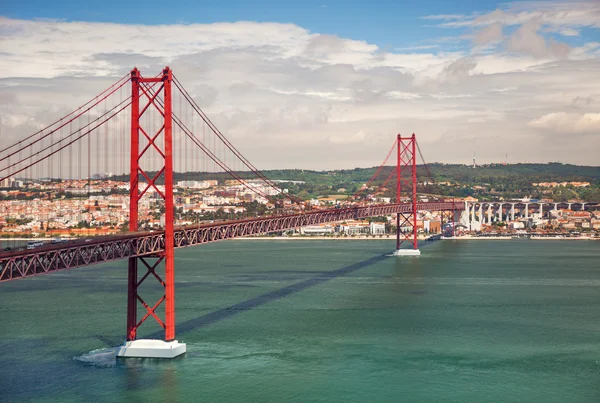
x: 159, y: 101
x: 406, y: 171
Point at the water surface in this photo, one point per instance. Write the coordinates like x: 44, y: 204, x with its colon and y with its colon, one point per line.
x: 321, y: 321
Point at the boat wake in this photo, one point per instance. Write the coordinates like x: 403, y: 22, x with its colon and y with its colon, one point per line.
x: 101, y: 358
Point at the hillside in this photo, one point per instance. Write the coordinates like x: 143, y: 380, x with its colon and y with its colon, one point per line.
x: 485, y: 182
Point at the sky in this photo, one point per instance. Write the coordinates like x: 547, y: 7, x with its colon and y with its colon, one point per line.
x: 328, y: 84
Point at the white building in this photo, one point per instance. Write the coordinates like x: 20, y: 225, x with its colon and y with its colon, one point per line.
x: 316, y: 230
x: 7, y: 183
x: 376, y: 228
x: 197, y: 184
x: 516, y: 225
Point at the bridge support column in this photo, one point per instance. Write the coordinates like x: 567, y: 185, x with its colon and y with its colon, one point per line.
x: 157, y: 107
x: 406, y: 175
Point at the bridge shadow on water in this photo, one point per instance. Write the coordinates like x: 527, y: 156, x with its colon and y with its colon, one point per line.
x: 213, y: 317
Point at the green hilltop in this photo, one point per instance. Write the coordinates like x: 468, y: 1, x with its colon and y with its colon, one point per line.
x: 484, y: 182
x: 491, y: 181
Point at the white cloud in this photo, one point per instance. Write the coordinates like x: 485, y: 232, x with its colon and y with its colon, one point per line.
x: 527, y: 40
x: 568, y: 32
x: 490, y: 34
x: 445, y: 17
x: 421, y: 47
x: 286, y: 96
x: 554, y: 14
x: 358, y: 137
x: 568, y: 123
x: 533, y: 20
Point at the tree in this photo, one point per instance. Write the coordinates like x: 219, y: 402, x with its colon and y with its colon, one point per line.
x: 83, y: 224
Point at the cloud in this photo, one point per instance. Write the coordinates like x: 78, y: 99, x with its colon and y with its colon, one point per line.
x: 554, y: 14
x: 568, y: 123
x: 288, y: 97
x: 568, y: 32
x: 421, y: 47
x: 445, y: 17
x: 357, y: 137
x: 460, y: 67
x: 324, y: 45
x: 533, y: 20
x: 527, y: 40
x: 490, y: 34
x: 584, y: 101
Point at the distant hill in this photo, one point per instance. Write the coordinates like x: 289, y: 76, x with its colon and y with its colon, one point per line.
x: 494, y: 180
x: 440, y: 173
x: 454, y: 173
x: 533, y: 172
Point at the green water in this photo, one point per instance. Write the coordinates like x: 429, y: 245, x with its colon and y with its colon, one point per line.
x: 322, y: 321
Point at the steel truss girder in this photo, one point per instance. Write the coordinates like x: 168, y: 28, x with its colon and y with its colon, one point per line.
x: 20, y: 264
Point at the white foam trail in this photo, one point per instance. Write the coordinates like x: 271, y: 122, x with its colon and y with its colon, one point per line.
x: 101, y: 358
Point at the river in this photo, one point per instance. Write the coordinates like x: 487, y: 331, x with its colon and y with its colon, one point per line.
x: 321, y: 321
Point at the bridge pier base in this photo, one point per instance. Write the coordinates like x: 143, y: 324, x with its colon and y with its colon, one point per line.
x: 149, y: 348
x: 407, y: 252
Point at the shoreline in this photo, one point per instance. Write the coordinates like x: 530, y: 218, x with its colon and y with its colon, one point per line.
x: 391, y: 238
x: 359, y: 238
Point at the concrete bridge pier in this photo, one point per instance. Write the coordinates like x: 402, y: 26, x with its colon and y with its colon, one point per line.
x: 475, y: 225
x: 541, y: 211
x: 489, y: 214
x: 150, y: 348
x: 526, y: 210
x: 512, y: 211
x: 464, y: 218
x: 407, y: 252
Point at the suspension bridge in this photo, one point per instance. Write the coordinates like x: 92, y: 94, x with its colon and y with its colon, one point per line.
x: 152, y: 127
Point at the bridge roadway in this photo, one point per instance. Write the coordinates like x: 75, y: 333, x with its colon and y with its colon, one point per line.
x: 54, y: 257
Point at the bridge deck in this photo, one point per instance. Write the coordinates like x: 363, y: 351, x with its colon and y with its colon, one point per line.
x: 50, y: 258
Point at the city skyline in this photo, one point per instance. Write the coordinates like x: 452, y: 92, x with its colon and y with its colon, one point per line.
x: 512, y: 78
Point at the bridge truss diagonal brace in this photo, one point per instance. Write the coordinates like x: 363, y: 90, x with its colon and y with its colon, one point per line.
x: 140, y: 92
x: 134, y: 296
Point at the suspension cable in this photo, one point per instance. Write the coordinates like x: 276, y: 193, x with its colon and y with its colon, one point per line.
x: 68, y: 136
x: 228, y: 144
x: 208, y: 152
x: 370, y: 181
x: 65, y: 145
x: 64, y: 117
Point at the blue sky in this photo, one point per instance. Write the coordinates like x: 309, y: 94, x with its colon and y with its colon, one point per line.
x: 385, y: 23
x: 517, y: 78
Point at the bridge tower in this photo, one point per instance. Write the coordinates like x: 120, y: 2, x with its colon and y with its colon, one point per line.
x: 406, y: 174
x: 151, y: 96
